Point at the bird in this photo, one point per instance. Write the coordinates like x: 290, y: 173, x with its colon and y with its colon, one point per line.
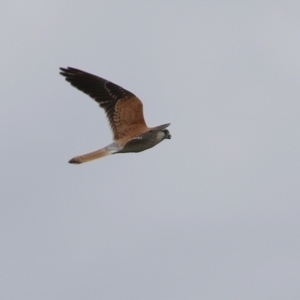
x: 125, y: 114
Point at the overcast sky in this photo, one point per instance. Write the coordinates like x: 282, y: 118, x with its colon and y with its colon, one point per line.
x: 212, y: 213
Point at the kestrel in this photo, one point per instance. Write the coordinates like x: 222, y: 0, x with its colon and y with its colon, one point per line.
x: 125, y: 114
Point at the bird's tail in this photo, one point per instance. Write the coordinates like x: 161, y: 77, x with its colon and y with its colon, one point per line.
x: 90, y: 156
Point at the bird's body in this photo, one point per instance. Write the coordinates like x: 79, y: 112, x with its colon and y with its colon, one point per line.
x: 124, y: 111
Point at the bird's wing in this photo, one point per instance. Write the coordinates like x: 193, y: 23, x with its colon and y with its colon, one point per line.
x: 123, y: 109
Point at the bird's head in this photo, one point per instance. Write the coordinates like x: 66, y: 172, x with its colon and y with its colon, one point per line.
x: 167, y: 134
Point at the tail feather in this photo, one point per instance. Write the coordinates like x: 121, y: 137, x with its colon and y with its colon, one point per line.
x: 90, y: 156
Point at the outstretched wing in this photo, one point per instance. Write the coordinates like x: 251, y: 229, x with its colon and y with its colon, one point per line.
x: 123, y: 109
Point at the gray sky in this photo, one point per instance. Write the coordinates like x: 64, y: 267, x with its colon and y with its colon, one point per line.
x: 212, y: 213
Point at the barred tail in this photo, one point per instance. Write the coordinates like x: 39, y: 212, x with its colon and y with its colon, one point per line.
x: 90, y: 156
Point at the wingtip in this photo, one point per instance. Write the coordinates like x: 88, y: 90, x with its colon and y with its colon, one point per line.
x: 69, y: 72
x: 160, y: 127
x: 63, y: 71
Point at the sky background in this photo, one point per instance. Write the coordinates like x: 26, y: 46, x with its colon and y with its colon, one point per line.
x: 212, y: 213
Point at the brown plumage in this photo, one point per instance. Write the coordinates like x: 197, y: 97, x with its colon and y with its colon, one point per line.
x: 124, y: 111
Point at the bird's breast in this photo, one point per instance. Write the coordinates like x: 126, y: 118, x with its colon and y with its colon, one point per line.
x: 142, y: 142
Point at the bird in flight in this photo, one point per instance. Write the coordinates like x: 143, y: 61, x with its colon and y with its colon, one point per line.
x: 125, y: 114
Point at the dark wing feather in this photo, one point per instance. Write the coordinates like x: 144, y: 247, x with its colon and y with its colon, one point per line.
x: 106, y: 93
